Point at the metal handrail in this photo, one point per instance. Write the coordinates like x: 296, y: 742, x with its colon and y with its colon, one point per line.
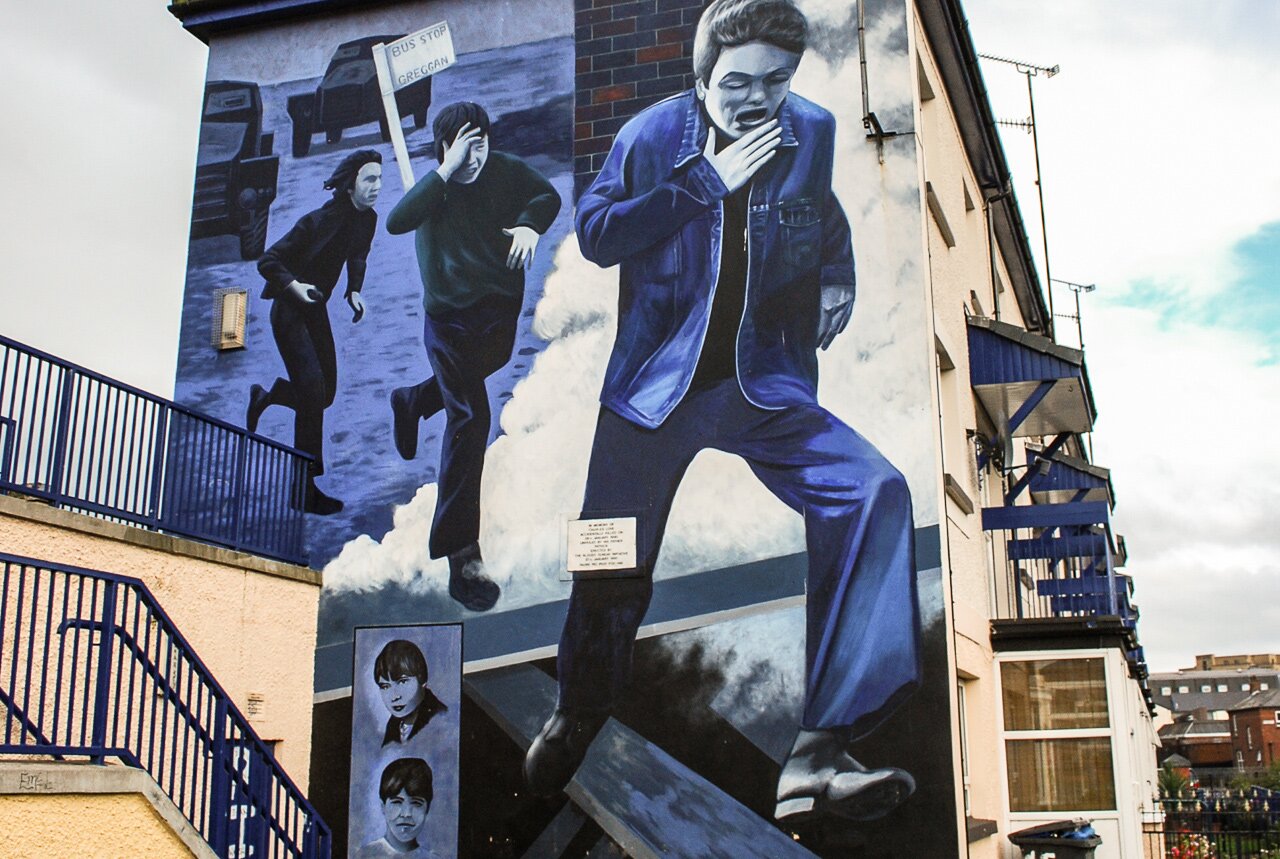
x: 86, y: 442
x: 92, y: 667
x: 1077, y: 584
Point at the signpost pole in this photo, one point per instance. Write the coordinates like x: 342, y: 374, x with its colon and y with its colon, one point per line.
x: 393, y: 115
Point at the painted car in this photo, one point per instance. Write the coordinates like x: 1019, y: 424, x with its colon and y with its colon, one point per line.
x: 236, y: 170
x: 348, y: 96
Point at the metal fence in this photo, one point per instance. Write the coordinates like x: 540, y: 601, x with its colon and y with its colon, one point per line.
x: 88, y: 443
x: 1215, y: 825
x: 92, y: 667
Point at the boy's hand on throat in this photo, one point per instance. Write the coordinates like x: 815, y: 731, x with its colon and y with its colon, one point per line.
x: 739, y: 161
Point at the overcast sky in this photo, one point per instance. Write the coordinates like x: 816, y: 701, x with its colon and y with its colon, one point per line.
x: 1161, y: 186
x: 1157, y: 149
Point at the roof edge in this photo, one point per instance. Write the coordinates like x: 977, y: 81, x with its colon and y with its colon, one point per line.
x: 947, y: 31
x: 207, y: 18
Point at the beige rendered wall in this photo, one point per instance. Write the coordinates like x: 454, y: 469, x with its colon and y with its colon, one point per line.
x: 108, y: 825
x: 86, y: 810
x: 251, y: 621
x: 961, y: 284
x: 967, y: 278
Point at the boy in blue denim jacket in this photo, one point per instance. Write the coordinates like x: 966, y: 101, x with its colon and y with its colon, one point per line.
x: 735, y: 267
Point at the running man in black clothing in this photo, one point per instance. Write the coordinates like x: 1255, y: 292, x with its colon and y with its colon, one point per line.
x: 477, y: 218
x: 302, y: 270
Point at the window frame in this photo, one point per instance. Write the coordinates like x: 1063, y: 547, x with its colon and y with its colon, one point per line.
x: 1107, y: 732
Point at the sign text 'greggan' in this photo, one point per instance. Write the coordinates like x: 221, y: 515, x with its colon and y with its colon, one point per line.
x: 420, y: 54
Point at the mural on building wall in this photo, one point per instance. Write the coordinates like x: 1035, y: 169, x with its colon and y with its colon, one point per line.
x: 675, y: 355
x: 406, y: 705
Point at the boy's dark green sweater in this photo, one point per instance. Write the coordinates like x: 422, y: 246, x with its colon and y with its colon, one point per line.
x: 462, y: 251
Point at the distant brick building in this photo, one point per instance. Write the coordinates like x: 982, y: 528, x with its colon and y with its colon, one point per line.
x: 1210, y: 662
x: 1216, y: 690
x: 1255, y: 730
x: 1203, y: 741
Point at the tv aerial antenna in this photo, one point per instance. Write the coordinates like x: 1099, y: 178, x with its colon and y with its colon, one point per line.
x: 1031, y: 70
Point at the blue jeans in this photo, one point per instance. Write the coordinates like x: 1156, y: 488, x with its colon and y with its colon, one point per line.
x: 465, y: 347
x: 863, y: 625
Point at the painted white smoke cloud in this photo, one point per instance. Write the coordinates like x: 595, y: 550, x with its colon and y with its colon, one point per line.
x: 874, y: 377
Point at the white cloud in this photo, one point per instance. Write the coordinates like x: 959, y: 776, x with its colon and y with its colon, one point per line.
x: 535, y: 472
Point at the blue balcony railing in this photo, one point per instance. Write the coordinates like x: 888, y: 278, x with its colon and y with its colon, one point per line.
x: 92, y: 667
x: 88, y: 443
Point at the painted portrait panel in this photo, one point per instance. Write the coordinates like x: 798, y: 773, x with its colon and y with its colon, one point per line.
x: 405, y: 728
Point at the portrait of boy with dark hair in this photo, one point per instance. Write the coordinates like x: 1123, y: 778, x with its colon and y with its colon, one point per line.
x: 400, y: 672
x: 302, y: 270
x: 405, y: 793
x: 476, y: 219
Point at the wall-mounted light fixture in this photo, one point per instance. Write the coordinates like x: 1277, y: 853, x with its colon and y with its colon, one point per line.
x: 230, y: 307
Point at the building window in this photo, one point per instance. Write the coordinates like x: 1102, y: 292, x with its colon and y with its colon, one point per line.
x: 1244, y: 687
x: 1166, y: 690
x: 1264, y: 686
x: 1222, y: 687
x: 1206, y: 687
x: 1054, y: 694
x: 1060, y: 775
x: 1057, y: 735
x: 1248, y: 736
x: 1182, y: 690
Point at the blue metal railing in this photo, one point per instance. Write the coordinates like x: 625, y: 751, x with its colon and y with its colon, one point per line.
x: 1062, y: 571
x: 92, y: 667
x: 88, y: 443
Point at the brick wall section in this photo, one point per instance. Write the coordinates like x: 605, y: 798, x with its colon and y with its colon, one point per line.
x: 630, y: 54
x: 1259, y: 726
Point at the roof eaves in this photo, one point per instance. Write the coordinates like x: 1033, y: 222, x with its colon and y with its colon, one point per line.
x: 206, y: 18
x: 948, y: 33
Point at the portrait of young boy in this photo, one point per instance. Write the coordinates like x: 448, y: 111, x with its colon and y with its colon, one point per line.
x: 405, y: 793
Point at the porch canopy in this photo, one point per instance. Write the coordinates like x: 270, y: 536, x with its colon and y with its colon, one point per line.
x: 1029, y: 385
